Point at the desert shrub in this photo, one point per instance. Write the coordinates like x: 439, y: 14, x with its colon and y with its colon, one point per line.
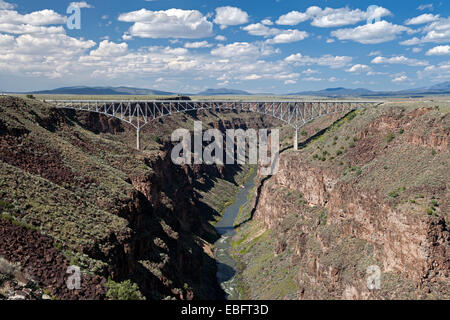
x: 390, y: 137
x: 352, y: 145
x: 125, y: 290
x: 5, y: 205
x: 30, y: 96
x: 323, y: 217
x: 394, y: 194
x: 402, y: 131
x: 156, y: 139
x: 351, y: 116
x: 304, y: 133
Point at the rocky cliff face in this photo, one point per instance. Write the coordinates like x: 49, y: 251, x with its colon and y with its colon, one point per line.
x: 73, y: 183
x: 349, y: 200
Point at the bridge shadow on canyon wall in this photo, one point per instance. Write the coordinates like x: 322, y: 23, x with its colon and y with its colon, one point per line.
x: 301, y: 145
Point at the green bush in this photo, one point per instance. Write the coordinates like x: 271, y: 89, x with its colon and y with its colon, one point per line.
x: 30, y: 96
x: 304, y: 133
x: 125, y: 290
x: 352, y: 145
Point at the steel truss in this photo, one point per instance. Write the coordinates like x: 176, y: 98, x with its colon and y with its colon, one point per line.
x: 140, y: 113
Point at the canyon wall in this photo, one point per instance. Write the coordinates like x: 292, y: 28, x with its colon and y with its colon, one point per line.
x: 352, y: 198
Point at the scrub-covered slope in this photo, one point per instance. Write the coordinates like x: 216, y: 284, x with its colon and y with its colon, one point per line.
x: 371, y: 191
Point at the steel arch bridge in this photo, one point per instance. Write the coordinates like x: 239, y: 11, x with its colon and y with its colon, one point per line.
x: 141, y: 113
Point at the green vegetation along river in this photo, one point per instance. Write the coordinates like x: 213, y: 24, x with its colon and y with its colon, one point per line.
x: 226, y: 265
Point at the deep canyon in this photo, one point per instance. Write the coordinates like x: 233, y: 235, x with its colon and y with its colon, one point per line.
x: 367, y: 188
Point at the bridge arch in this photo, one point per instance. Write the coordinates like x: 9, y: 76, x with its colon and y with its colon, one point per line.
x: 141, y: 113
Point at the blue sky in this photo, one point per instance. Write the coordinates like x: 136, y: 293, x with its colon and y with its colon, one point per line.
x: 268, y: 46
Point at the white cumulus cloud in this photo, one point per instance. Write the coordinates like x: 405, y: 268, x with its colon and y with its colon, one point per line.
x: 288, y: 36
x: 259, y: 29
x: 172, y: 23
x: 325, y: 60
x: 358, y: 68
x: 330, y: 17
x: 400, y: 60
x: 436, y: 32
x: 241, y: 49
x: 6, y: 5
x: 230, y: 16
x: 400, y: 78
x: 378, y: 32
x: 197, y: 45
x: 422, y: 19
x: 292, y: 18
x: 81, y: 4
x: 110, y: 49
x: 439, y: 51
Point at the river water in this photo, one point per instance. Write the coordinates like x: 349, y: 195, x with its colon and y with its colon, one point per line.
x: 226, y: 265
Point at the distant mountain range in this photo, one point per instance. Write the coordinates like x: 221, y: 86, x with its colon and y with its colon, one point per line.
x: 84, y: 90
x: 441, y: 88
x: 438, y: 89
x: 223, y: 91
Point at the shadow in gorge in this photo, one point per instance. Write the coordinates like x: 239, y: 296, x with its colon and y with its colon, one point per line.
x: 224, y: 272
x: 301, y: 145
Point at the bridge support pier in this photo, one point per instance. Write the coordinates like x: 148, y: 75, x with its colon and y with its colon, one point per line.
x: 138, y: 139
x: 296, y: 140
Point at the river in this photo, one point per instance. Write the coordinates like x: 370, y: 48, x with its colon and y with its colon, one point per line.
x: 226, y: 265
